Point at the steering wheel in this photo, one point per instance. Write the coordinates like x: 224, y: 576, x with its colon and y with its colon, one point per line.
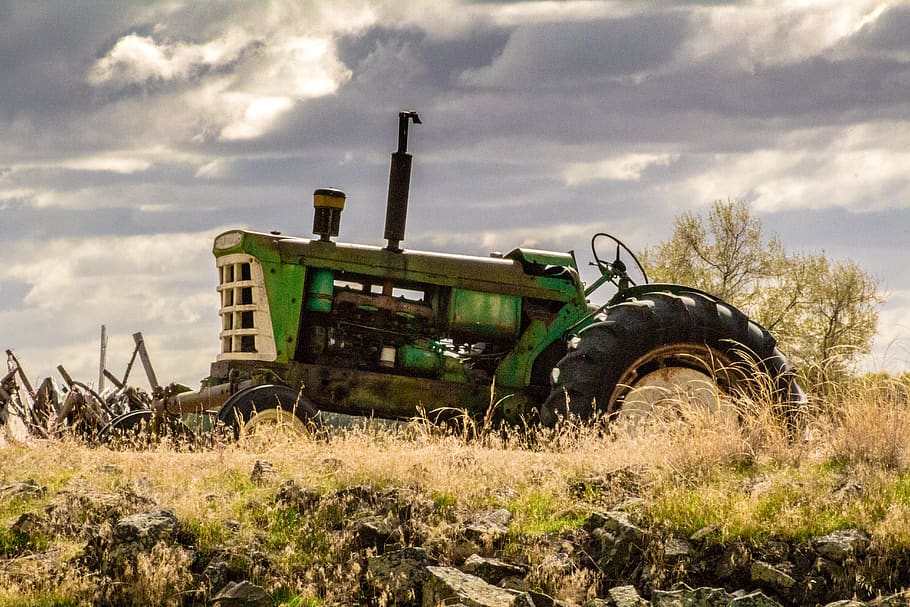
x: 617, y: 269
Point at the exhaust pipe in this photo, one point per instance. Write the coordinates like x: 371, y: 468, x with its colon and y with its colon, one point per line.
x: 396, y: 213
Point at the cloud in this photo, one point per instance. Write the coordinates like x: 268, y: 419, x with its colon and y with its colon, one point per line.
x: 857, y: 169
x: 137, y: 59
x: 561, y: 53
x: 162, y: 285
x: 627, y: 167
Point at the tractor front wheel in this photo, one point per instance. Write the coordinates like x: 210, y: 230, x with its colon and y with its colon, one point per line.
x: 268, y: 407
x: 661, y: 349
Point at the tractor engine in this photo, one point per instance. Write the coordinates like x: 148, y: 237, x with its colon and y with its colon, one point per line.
x: 371, y: 323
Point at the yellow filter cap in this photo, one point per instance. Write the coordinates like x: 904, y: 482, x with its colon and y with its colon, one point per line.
x: 329, y: 198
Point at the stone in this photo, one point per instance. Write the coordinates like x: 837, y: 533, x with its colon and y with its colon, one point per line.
x: 491, y: 527
x: 704, y: 532
x: 145, y: 528
x: 735, y: 559
x: 539, y: 599
x: 216, y: 573
x: 263, y: 472
x: 689, y: 597
x: 841, y: 545
x: 676, y: 549
x: 621, y: 541
x: 626, y: 596
x: 24, y: 490
x: 399, y: 576
x: 242, y: 594
x: 754, y: 599
x: 27, y: 526
x: 901, y: 599
x: 492, y: 571
x: 293, y: 496
x: 374, y: 532
x: 447, y: 586
x: 769, y: 575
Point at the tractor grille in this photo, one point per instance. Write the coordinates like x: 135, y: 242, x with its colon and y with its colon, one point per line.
x: 246, y: 327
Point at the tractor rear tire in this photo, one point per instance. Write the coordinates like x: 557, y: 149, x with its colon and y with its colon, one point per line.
x: 668, y: 347
x: 268, y: 405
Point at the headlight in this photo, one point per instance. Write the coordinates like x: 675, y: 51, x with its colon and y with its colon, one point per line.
x: 228, y: 240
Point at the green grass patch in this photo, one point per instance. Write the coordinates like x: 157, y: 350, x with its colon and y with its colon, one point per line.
x: 538, y: 512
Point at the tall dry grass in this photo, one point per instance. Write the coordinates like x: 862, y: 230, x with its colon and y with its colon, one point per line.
x: 759, y: 475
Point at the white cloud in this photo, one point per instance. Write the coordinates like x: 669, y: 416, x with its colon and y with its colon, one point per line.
x: 891, y: 348
x: 105, y: 162
x: 626, y: 167
x: 257, y: 116
x: 137, y: 59
x: 860, y: 169
x: 280, y: 61
x: 162, y: 285
x: 786, y: 32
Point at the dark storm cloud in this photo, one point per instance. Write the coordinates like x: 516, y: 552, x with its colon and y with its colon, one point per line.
x: 583, y: 54
x: 46, y: 49
x: 890, y: 32
x: 815, y: 91
x: 440, y: 61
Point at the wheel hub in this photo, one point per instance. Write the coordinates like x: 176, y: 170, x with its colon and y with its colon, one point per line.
x: 673, y: 383
x: 273, y: 423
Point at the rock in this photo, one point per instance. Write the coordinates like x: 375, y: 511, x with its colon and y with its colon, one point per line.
x: 447, y: 586
x: 293, y: 496
x: 242, y: 594
x: 27, y: 526
x: 841, y: 545
x: 491, y: 527
x: 767, y: 575
x: 540, y: 599
x: 676, y: 549
x: 398, y: 576
x: 117, y: 552
x: 901, y: 599
x: 263, y: 472
x: 24, y: 490
x: 77, y: 511
x: 621, y: 541
x: 845, y: 603
x: 734, y: 561
x: 216, y: 573
x: 704, y: 532
x: 514, y: 582
x: 626, y: 596
x: 146, y: 528
x: 492, y: 571
x: 688, y: 597
x: 374, y: 532
x: 754, y: 599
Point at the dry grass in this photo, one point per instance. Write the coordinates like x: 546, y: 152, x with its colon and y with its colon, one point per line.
x: 755, y: 479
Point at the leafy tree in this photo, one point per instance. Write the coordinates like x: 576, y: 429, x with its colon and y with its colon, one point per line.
x: 823, y: 313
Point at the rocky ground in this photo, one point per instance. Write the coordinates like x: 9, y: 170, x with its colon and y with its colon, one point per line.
x: 362, y: 545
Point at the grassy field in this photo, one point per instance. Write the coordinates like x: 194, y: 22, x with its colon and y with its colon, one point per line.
x: 846, y: 466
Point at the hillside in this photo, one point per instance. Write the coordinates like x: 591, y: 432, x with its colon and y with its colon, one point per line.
x: 756, y: 513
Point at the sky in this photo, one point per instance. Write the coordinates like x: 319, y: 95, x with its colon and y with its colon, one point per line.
x: 131, y: 133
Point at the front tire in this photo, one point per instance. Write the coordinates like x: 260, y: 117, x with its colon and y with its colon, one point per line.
x: 667, y: 347
x: 267, y: 406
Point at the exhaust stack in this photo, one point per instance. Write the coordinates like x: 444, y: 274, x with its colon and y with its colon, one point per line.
x: 396, y: 213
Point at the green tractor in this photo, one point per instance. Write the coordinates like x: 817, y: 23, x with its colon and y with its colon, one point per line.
x: 315, y: 325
